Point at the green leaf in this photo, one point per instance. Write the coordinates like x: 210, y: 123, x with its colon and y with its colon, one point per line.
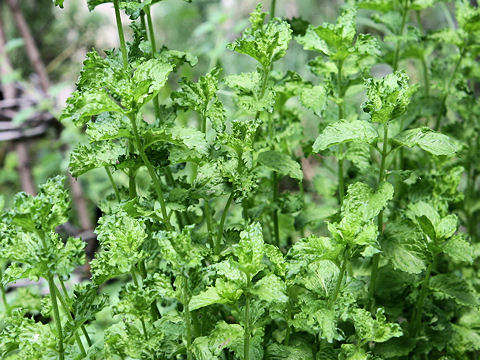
x: 459, y: 249
x: 206, y: 298
x: 428, y: 140
x: 378, y: 329
x: 314, y: 98
x: 344, y: 131
x: 87, y: 157
x: 266, y: 43
x: 283, y: 352
x: 250, y: 249
x: 404, y: 248
x: 454, y: 287
x: 149, y: 78
x: 281, y: 163
x: 388, y: 97
x: 121, y: 238
x: 202, y: 97
x: 270, y: 289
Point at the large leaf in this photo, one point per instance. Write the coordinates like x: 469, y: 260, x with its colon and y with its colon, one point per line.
x: 454, y: 287
x: 428, y: 140
x: 343, y: 131
x: 281, y: 163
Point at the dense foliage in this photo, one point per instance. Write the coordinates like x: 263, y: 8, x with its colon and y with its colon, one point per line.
x: 228, y: 251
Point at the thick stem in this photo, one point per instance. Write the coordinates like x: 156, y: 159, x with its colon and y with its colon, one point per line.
x: 417, y: 314
x: 246, y: 336
x: 114, y: 186
x: 56, y: 314
x: 70, y: 317
x: 273, y: 5
x: 121, y: 35
x: 276, y: 230
x: 376, y: 257
x: 222, y: 223
x: 153, y: 175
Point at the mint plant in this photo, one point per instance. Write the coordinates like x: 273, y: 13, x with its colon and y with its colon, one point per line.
x: 217, y: 242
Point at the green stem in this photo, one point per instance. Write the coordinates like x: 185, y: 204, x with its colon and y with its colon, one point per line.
x: 132, y: 186
x: 121, y: 35
x: 376, y: 257
x: 70, y: 317
x: 447, y: 90
x: 114, y: 186
x: 188, y: 325
x: 4, y: 294
x: 417, y: 314
x: 133, y: 273
x: 222, y: 223
x: 151, y: 171
x: 56, y: 314
x: 341, y: 116
x: 82, y: 327
x: 402, y: 28
x: 246, y: 336
x: 273, y: 5
x: 153, y: 45
x: 208, y: 218
x: 339, y: 282
x: 276, y: 230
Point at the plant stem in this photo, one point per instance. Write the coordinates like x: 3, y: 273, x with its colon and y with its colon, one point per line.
x: 276, y: 230
x: 133, y: 273
x: 70, y: 317
x: 447, y: 90
x: 208, y: 219
x: 82, y: 327
x: 4, y: 296
x: 376, y: 257
x: 114, y: 186
x: 417, y: 313
x: 121, y: 35
x: 56, y: 315
x: 188, y: 325
x: 273, y: 5
x: 246, y: 336
x: 402, y: 28
x: 341, y: 115
x: 153, y: 45
x: 339, y: 282
x: 151, y: 171
x: 222, y: 223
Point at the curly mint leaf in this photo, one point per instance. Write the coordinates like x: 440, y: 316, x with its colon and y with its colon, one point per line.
x: 388, y: 97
